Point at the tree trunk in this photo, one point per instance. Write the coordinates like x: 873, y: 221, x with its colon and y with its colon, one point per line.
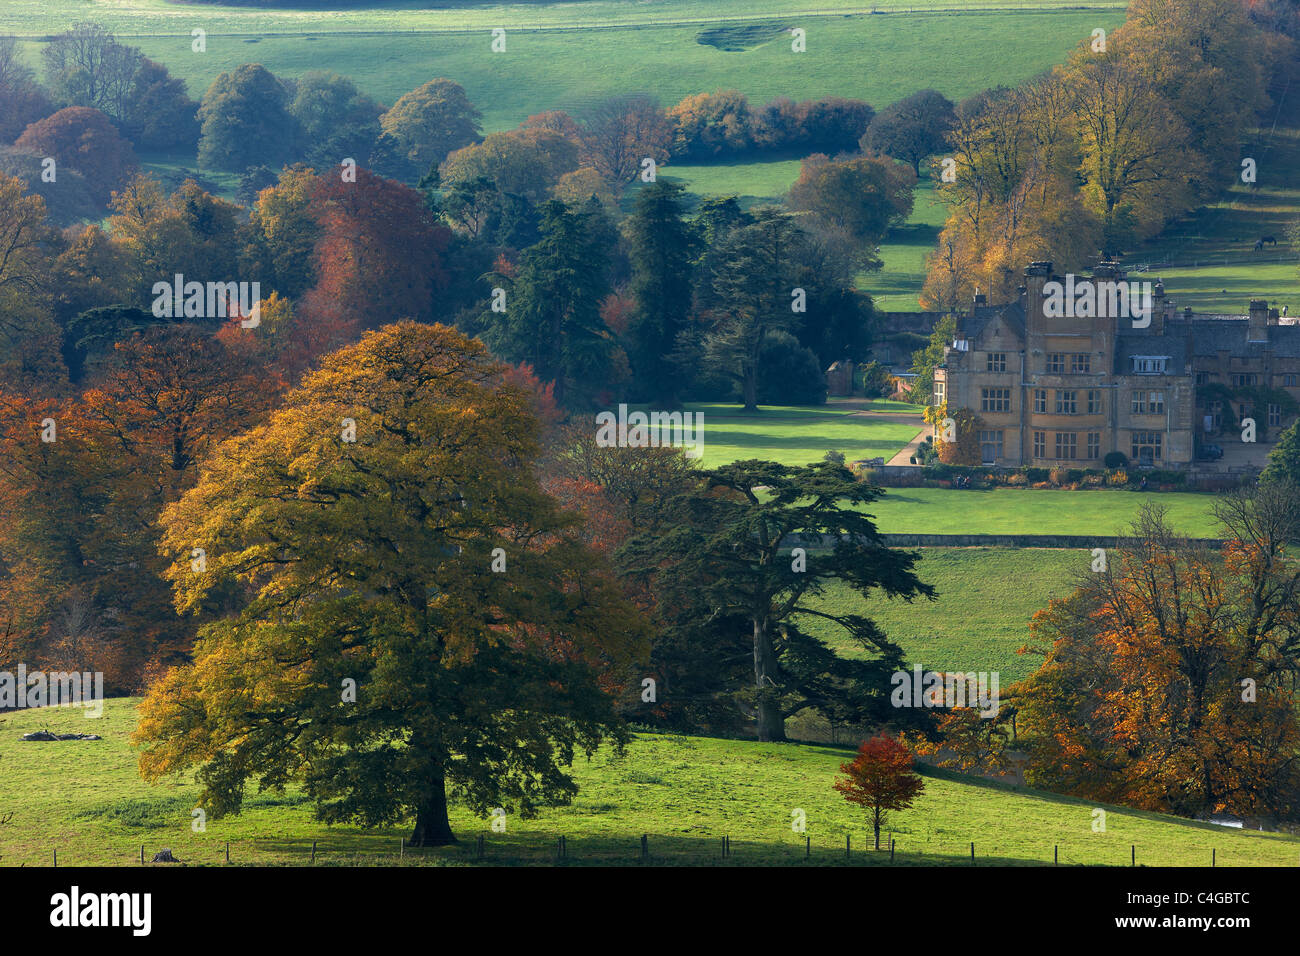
x: 771, y: 723
x: 432, y: 828
x: 749, y: 388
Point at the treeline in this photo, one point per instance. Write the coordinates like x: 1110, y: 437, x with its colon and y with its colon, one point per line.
x: 112, y: 398
x: 1136, y: 129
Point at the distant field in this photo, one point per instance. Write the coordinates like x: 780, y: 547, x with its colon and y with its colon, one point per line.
x: 799, y: 435
x: 755, y: 182
x: 1216, y: 266
x: 895, y: 287
x: 1104, y: 513
x: 85, y: 800
x: 605, y: 48
x: 980, y: 616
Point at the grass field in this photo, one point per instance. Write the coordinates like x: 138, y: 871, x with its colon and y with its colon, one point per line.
x: 799, y: 435
x: 1216, y: 267
x: 980, y: 616
x: 570, y: 55
x: 1035, y: 511
x: 85, y: 800
x: 755, y: 182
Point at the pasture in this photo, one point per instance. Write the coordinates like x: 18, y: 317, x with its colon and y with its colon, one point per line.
x: 800, y: 435
x: 86, y: 800
x: 979, y: 618
x: 571, y: 55
x: 1103, y: 512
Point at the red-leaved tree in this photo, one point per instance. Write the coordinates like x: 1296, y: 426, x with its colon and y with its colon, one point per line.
x: 880, y: 779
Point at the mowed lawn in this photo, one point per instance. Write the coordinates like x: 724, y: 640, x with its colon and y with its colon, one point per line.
x: 804, y: 434
x: 979, y: 618
x: 1104, y: 513
x: 86, y: 800
x: 572, y: 55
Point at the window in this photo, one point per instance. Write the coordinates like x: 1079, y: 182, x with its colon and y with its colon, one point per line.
x: 1202, y: 378
x: 1146, y: 446
x: 1243, y: 379
x: 1040, y: 400
x: 1288, y: 381
x: 995, y: 399
x: 1148, y: 403
x: 1067, y: 445
x: 1081, y: 364
x: 1150, y: 364
x: 997, y: 361
x: 1040, y: 444
x: 1056, y: 362
x: 939, y: 392
x: 990, y: 447
x: 1274, y: 415
x: 1094, y: 401
x: 1094, y: 444
x: 1067, y: 403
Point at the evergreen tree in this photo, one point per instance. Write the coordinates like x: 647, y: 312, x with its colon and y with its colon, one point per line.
x: 552, y: 312
x: 661, y: 247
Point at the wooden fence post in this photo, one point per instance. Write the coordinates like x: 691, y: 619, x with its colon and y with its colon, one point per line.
x: 227, y: 851
x: 807, y: 848
x: 313, y: 850
x: 645, y: 845
x: 142, y: 854
x: 891, y: 849
x: 972, y: 853
x: 1056, y: 855
x: 848, y: 852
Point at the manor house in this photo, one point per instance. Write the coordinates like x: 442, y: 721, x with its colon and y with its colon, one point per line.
x: 1153, y: 383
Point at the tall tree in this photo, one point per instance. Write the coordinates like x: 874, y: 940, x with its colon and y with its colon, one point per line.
x: 729, y: 547
x: 552, y: 308
x: 1169, y: 682
x: 912, y: 129
x: 430, y: 121
x: 624, y: 131
x: 661, y: 246
x: 752, y: 295
x: 397, y: 671
x: 246, y: 121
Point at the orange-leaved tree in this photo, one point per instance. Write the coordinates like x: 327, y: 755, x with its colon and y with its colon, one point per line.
x: 880, y: 779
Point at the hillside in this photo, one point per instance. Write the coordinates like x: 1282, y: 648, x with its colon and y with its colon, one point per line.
x: 85, y: 800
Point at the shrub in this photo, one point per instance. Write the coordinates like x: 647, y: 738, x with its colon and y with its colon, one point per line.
x: 1115, y: 459
x: 1036, y: 475
x: 788, y: 373
x: 1118, y: 477
x: 1057, y: 476
x: 1017, y: 480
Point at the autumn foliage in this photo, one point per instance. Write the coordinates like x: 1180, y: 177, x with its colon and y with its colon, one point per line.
x: 880, y: 780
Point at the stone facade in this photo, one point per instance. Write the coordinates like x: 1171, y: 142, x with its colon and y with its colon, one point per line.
x: 1055, y: 390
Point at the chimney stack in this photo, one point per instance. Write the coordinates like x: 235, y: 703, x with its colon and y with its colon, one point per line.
x: 1257, y: 327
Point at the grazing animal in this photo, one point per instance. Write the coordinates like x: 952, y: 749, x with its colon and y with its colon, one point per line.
x: 1267, y: 241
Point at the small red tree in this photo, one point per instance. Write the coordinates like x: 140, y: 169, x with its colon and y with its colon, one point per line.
x: 880, y: 779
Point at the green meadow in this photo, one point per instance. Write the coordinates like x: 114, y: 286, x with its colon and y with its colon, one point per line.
x: 86, y: 801
x: 804, y: 434
x: 571, y: 55
x: 979, y: 618
x: 1102, y: 512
